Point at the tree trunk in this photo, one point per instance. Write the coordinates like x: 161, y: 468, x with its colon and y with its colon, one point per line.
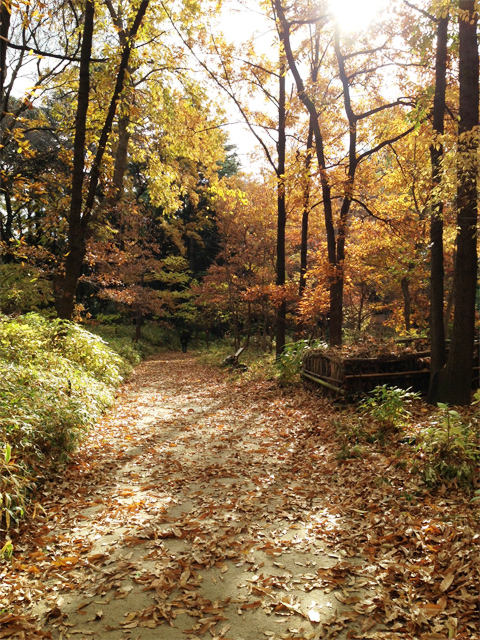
x: 121, y: 157
x: 265, y: 328
x: 281, y: 209
x: 455, y: 380
x: 449, y: 305
x: 236, y: 330
x: 5, y: 16
x: 407, y: 302
x: 363, y: 298
x: 248, y: 328
x: 308, y: 179
x: 6, y: 230
x: 138, y: 324
x: 305, y: 212
x: 66, y: 284
x: 437, y: 327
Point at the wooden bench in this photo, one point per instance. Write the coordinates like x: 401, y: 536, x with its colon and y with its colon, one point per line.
x: 233, y: 359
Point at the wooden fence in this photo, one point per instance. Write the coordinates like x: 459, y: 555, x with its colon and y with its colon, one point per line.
x: 350, y: 376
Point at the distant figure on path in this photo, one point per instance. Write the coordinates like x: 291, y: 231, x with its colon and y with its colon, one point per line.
x: 184, y: 338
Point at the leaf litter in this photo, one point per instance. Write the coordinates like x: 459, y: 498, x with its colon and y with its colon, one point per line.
x: 213, y: 507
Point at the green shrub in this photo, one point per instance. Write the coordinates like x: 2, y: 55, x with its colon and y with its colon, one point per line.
x: 14, y: 484
x: 386, y: 409
x: 23, y: 288
x: 449, y: 449
x: 289, y: 363
x: 120, y: 338
x: 56, y: 380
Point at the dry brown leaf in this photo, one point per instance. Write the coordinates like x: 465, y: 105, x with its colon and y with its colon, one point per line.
x: 447, y: 581
x: 286, y: 491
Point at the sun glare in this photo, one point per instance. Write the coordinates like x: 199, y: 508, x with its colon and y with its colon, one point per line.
x: 356, y: 15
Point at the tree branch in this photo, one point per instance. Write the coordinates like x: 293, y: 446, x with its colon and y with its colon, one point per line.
x: 422, y: 11
x: 228, y: 89
x: 46, y: 54
x: 382, y: 108
x: 385, y: 143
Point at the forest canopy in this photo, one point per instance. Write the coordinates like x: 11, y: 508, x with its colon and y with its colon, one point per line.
x: 353, y: 216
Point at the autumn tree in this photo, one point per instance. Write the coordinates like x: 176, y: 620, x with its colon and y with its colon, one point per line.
x: 37, y: 44
x: 81, y: 210
x: 356, y: 125
x: 239, y: 284
x: 454, y: 385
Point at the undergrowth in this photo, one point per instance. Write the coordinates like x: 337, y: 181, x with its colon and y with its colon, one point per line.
x: 120, y: 338
x: 385, y: 410
x: 449, y: 448
x: 256, y: 363
x: 259, y: 364
x: 56, y: 380
x: 442, y: 448
x: 289, y: 364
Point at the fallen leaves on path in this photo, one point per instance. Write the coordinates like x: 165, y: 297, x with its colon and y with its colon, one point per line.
x: 214, y: 507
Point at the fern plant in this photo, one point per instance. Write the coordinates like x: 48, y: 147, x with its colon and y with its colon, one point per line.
x: 449, y: 449
x: 386, y: 407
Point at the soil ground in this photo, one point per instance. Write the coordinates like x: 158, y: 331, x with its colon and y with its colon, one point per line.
x: 203, y: 506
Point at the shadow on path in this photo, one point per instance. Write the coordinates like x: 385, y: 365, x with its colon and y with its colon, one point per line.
x: 199, y: 507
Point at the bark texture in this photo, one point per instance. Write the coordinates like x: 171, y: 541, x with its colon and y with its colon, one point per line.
x: 437, y: 324
x: 455, y: 380
x: 281, y: 207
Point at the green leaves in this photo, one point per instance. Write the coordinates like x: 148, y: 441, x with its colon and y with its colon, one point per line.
x: 450, y: 449
x: 56, y: 380
x: 7, y: 550
x: 13, y: 483
x: 387, y: 406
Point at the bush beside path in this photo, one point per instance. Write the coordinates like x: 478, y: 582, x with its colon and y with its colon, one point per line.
x: 203, y: 505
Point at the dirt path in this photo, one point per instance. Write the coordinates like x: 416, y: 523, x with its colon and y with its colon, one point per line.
x: 200, y: 508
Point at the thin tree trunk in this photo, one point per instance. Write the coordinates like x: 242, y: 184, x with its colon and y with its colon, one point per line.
x: 281, y: 209
x: 65, y: 285
x: 138, y: 324
x: 455, y: 380
x: 363, y: 297
x: 248, y: 328
x: 7, y: 229
x: 308, y: 178
x: 437, y: 327
x: 305, y: 212
x: 236, y: 330
x: 5, y: 17
x: 79, y: 219
x: 265, y: 328
x: 407, y: 302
